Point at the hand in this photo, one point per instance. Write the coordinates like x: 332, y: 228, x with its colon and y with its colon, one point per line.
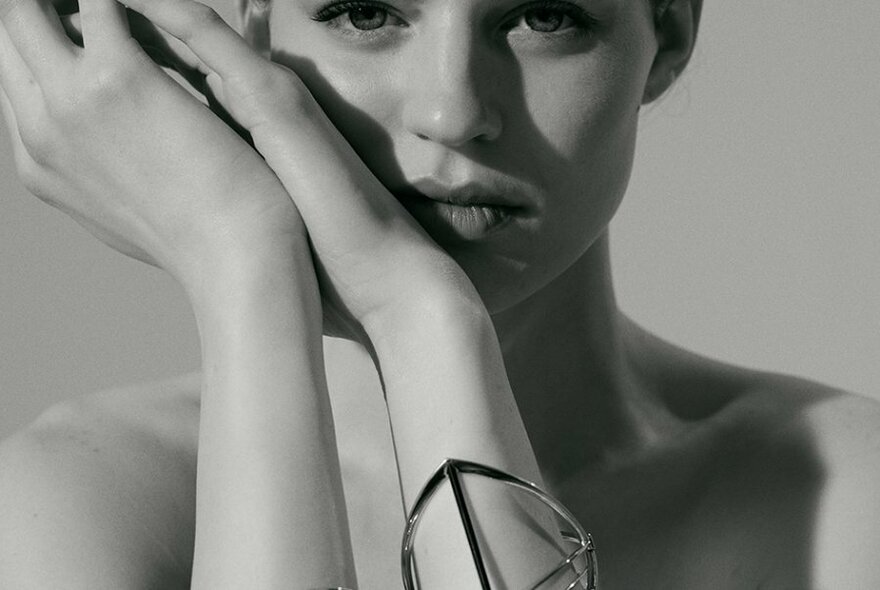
x: 168, y: 53
x: 446, y: 388
x: 103, y: 134
x: 373, y: 258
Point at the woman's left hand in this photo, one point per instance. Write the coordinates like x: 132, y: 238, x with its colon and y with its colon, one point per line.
x: 373, y: 258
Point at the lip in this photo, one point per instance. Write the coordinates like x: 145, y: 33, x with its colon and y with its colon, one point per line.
x: 468, y: 212
x: 465, y: 194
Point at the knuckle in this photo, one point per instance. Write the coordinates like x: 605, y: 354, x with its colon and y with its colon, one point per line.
x: 286, y: 80
x: 199, y: 18
x: 266, y: 95
x: 36, y: 180
x: 92, y: 96
x: 39, y: 145
x: 29, y: 173
x: 109, y: 82
x: 276, y: 81
x: 58, y: 108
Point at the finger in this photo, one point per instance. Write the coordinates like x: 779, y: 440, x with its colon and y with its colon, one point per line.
x: 162, y: 48
x: 29, y: 172
x: 215, y: 43
x: 11, y: 123
x: 175, y: 53
x: 19, y: 154
x: 35, y: 30
x: 18, y: 84
x: 72, y: 28
x: 104, y: 26
x: 348, y: 208
x: 339, y: 209
x: 169, y: 53
x: 24, y: 164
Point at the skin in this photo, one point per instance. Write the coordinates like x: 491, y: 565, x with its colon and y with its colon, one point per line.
x: 689, y: 473
x: 456, y: 103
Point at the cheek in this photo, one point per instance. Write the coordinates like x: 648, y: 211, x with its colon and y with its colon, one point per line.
x: 586, y: 111
x: 587, y: 114
x: 355, y: 93
x: 365, y: 106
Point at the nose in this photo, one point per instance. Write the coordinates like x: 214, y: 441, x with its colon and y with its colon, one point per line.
x: 449, y: 86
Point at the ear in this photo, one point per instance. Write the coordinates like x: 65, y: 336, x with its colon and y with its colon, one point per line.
x: 253, y: 16
x: 675, y: 24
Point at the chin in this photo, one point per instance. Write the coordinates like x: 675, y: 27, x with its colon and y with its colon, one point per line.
x: 506, y: 280
x: 501, y: 282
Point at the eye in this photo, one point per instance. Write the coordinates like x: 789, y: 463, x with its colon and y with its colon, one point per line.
x: 550, y: 17
x: 367, y: 18
x: 545, y: 20
x: 358, y: 15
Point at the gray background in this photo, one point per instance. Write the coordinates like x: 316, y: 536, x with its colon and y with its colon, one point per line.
x: 749, y: 233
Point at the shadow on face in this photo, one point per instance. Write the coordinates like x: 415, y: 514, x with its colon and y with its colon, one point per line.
x: 562, y: 135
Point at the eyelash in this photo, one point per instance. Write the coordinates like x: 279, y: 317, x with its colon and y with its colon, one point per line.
x: 337, y: 9
x: 584, y: 22
x: 581, y: 19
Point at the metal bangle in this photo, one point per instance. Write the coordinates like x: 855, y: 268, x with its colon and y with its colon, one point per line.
x: 451, y: 469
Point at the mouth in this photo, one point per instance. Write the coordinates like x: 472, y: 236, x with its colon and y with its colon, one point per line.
x: 470, y: 212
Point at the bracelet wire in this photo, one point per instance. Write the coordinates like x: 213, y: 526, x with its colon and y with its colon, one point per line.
x: 451, y: 469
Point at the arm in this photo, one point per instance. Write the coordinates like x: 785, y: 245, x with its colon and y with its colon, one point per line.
x: 92, y: 501
x: 270, y: 509
x: 448, y: 397
x: 167, y: 182
x: 445, y: 383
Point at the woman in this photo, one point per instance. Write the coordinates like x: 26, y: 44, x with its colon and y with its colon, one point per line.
x: 506, y: 131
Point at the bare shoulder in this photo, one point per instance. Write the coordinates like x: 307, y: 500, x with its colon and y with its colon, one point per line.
x: 98, y: 492
x: 842, y: 428
x: 845, y: 429
x: 839, y: 432
x: 799, y: 460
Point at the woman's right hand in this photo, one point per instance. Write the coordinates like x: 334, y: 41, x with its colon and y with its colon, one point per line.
x: 103, y: 134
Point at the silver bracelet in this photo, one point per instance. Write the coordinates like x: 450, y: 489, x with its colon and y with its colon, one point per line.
x: 451, y: 469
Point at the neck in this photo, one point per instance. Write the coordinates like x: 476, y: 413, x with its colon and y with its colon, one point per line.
x: 566, y: 349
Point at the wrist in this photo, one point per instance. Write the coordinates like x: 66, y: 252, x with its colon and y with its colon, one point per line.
x: 255, y: 304
x: 447, y: 390
x: 431, y: 314
x: 236, y: 273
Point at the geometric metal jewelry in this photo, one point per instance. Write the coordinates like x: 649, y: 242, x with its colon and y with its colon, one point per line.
x: 450, y: 470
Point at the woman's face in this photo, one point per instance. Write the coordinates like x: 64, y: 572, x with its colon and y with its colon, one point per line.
x: 506, y: 127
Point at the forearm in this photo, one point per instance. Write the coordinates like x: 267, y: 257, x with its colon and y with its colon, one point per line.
x: 448, y: 397
x: 270, y: 508
x: 445, y: 376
